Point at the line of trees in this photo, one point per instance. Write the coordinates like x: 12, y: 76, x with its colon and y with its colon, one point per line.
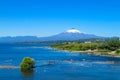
x: 111, y: 45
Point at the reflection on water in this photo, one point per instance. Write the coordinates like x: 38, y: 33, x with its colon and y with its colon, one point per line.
x: 27, y: 73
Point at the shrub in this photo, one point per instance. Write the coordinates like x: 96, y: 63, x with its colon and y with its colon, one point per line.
x: 113, y: 44
x: 118, y: 51
x: 27, y: 64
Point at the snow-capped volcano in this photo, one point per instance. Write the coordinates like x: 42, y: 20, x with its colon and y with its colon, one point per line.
x: 73, y: 31
x: 71, y: 34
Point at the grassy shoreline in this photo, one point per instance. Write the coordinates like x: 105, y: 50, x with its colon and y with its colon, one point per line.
x: 109, y: 48
x: 108, y: 54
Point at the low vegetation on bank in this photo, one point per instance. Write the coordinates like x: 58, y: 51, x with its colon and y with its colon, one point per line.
x: 111, y: 47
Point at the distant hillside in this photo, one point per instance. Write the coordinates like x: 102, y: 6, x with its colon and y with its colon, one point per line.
x: 19, y: 39
x: 69, y: 35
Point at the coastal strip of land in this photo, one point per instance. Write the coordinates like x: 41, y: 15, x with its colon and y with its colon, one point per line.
x: 108, y: 48
x: 8, y: 67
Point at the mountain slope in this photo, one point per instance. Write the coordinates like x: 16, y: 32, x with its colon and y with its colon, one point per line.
x: 72, y: 34
x: 19, y: 39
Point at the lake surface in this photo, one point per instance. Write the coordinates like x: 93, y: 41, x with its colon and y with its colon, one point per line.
x: 65, y: 65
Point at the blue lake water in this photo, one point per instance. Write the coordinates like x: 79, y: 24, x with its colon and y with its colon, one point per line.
x: 66, y: 65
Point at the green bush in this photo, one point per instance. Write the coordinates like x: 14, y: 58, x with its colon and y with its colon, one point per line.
x: 117, y: 51
x: 113, y: 45
x: 27, y: 64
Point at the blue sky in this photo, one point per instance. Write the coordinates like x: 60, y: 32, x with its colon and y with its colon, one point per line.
x: 49, y: 17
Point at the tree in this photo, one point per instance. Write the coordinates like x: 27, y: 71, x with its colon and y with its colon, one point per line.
x: 113, y: 45
x: 27, y: 64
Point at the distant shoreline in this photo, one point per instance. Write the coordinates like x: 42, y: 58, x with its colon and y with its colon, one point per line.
x: 108, y: 54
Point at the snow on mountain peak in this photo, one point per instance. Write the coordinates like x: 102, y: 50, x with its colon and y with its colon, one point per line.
x: 73, y: 31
